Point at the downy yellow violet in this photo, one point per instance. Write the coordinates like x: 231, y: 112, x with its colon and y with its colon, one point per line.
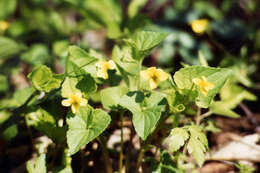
x: 203, y: 85
x: 199, y: 26
x: 154, y: 76
x: 3, y: 25
x: 75, y: 100
x: 103, y: 66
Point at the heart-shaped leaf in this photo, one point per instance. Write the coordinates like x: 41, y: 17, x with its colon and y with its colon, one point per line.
x: 85, y: 126
x: 217, y: 76
x: 146, y: 110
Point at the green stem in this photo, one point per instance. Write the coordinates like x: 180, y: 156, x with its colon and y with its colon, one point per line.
x: 176, y: 120
x: 188, y: 95
x: 106, y: 156
x: 121, y: 143
x: 148, y: 141
x: 139, y: 76
x: 201, y: 117
x: 198, y: 116
x: 140, y: 158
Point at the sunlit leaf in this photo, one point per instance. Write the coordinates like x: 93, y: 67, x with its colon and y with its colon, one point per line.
x: 85, y: 126
x: 37, y: 165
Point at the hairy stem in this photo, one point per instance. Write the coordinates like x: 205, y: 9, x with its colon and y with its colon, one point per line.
x: 106, y: 156
x: 201, y: 117
x: 198, y: 117
x: 140, y: 158
x: 148, y: 141
x: 121, y: 143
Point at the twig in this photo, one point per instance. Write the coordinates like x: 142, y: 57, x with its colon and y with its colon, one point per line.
x: 249, y: 114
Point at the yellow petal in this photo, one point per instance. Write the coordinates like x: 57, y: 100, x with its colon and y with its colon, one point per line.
x: 148, y: 73
x: 74, y: 108
x: 66, y: 102
x: 152, y: 70
x: 111, y: 65
x: 203, y: 91
x: 83, y: 102
x: 162, y: 75
x: 209, y: 86
x: 78, y: 94
x: 102, y: 73
x: 145, y: 74
x: 197, y: 81
x: 153, y: 84
x: 204, y: 78
x: 199, y: 26
x: 100, y: 64
x: 4, y: 25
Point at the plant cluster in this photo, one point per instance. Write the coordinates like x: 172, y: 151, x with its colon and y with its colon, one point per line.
x: 76, y: 107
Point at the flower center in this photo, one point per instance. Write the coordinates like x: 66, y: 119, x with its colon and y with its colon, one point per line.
x: 154, y: 77
x: 75, y: 100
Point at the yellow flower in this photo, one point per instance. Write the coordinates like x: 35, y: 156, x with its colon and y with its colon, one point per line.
x: 154, y: 76
x: 203, y: 85
x: 199, y: 26
x: 3, y: 25
x: 75, y: 100
x: 103, y: 66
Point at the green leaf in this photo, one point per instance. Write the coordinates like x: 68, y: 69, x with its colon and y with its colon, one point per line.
x: 221, y: 109
x: 146, y: 40
x: 86, y: 84
x: 110, y: 97
x: 3, y: 83
x: 245, y: 168
x: 211, y: 127
x: 106, y: 12
x: 60, y: 48
x: 218, y: 76
x: 46, y: 123
x: 10, y: 132
x: 135, y: 6
x: 21, y: 96
x: 76, y: 52
x: 124, y: 59
x: 146, y: 110
x: 38, y: 54
x: 231, y: 95
x: 203, y: 60
x: 196, y: 148
x: 241, y: 73
x: 178, y: 137
x: 43, y: 79
x: 198, y: 144
x: 83, y: 60
x: 196, y: 132
x: 85, y: 126
x: 8, y: 47
x: 78, y: 81
x: 69, y: 87
x: 166, y: 165
x: 4, y: 115
x: 66, y: 163
x: 7, y: 7
x: 37, y: 165
x: 126, y: 65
